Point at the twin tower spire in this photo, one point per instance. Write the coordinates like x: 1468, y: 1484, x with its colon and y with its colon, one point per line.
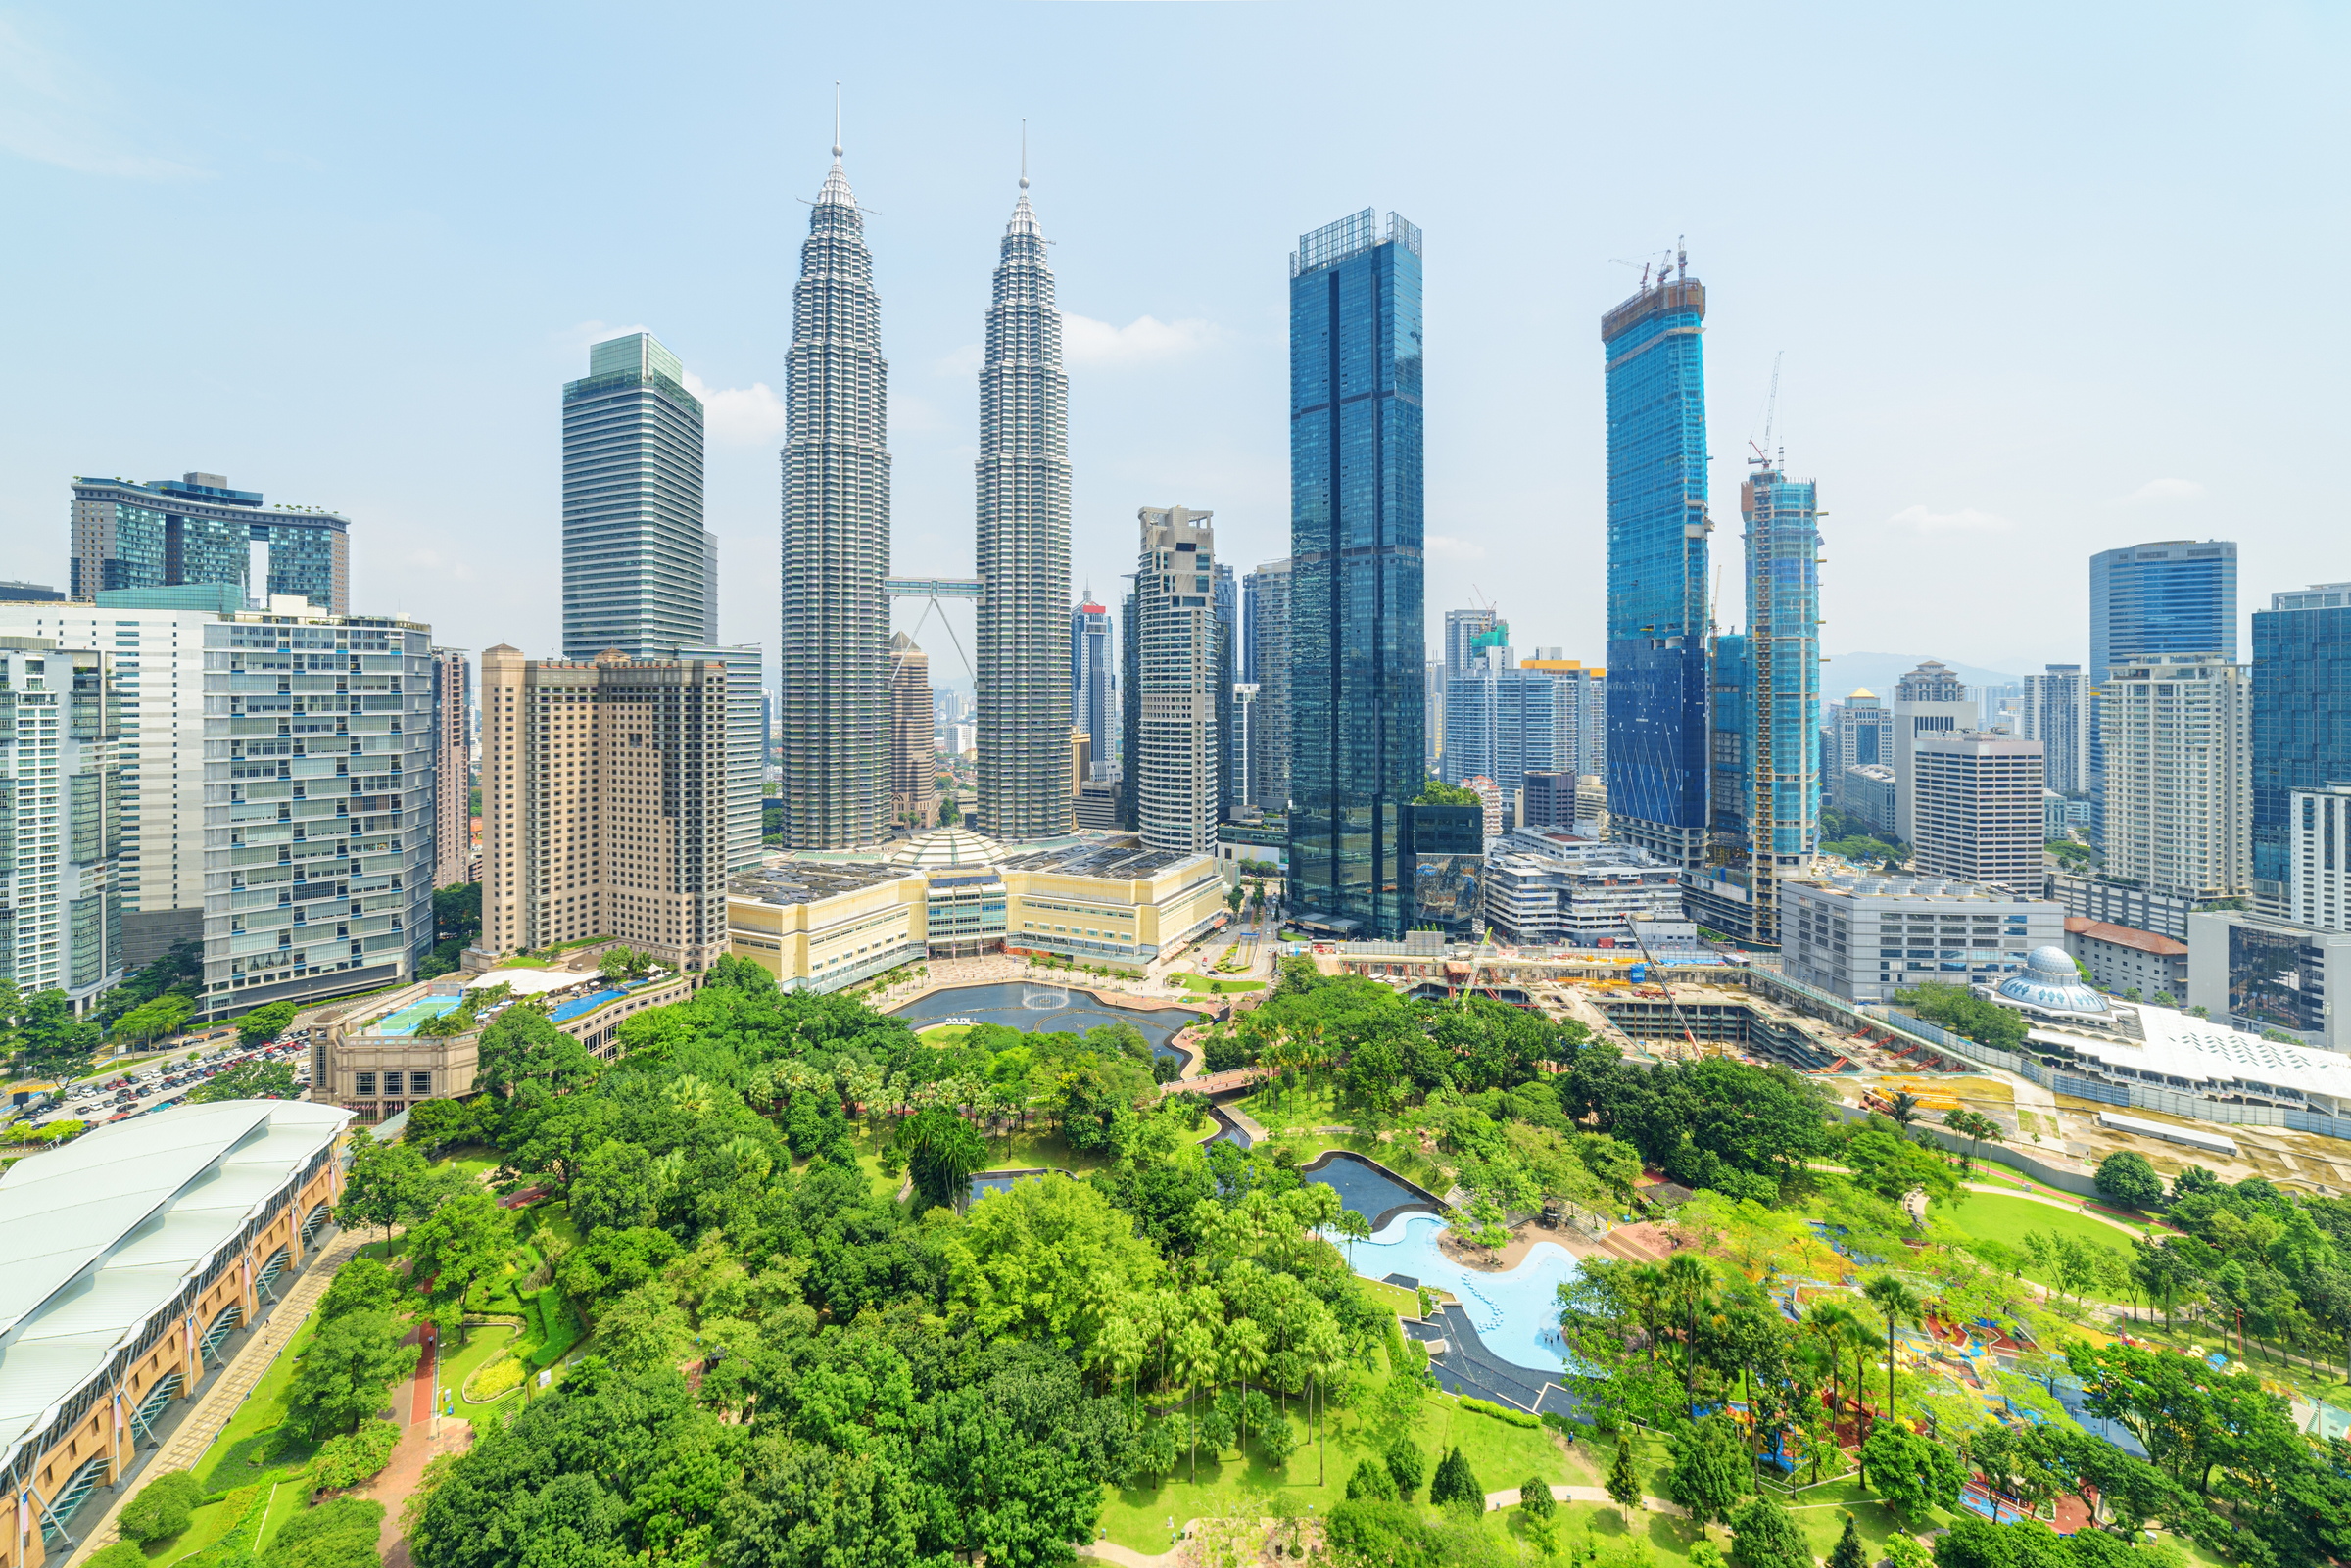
x: 834, y: 715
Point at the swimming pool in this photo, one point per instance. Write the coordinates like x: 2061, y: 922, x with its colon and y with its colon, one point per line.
x: 1516, y: 1314
x: 584, y: 1004
x: 404, y: 1020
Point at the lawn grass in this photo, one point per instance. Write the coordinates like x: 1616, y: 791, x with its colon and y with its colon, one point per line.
x: 241, y: 1450
x: 1215, y: 987
x: 1995, y: 1216
x: 944, y: 1033
x: 489, y: 1342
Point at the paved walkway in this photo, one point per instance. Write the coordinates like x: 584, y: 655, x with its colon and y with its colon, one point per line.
x: 217, y: 1405
x: 1112, y: 1552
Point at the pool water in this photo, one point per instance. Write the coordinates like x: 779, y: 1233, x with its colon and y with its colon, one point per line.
x: 1516, y: 1314
x: 404, y: 1020
x: 1362, y: 1186
x: 1044, y: 1007
x: 584, y: 1004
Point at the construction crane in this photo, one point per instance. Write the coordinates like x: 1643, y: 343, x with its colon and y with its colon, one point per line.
x: 1771, y: 412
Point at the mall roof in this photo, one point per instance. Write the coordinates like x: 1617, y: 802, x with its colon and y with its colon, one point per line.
x: 103, y: 1233
x: 2177, y: 1045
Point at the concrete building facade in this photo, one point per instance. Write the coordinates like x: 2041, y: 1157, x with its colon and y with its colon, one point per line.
x: 2056, y: 713
x: 2318, y: 848
x: 1865, y: 937
x: 452, y: 768
x: 2122, y: 960
x: 61, y: 825
x: 2177, y: 789
x: 1928, y: 702
x: 1176, y: 761
x: 747, y: 741
x: 1266, y: 594
x: 913, y: 750
x: 1977, y: 808
x: 195, y: 530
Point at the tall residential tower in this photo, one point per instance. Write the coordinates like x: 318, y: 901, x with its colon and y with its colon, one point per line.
x: 1357, y: 639
x: 2175, y: 595
x: 1090, y: 677
x: 634, y: 565
x: 1176, y: 761
x: 1023, y: 472
x: 832, y: 668
x: 196, y: 531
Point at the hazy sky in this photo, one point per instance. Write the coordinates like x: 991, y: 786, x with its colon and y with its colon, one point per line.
x: 2046, y: 279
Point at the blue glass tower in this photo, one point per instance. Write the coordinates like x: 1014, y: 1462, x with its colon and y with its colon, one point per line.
x: 2175, y: 595
x: 1780, y: 785
x: 1356, y: 640
x: 1657, y: 528
x: 2301, y: 722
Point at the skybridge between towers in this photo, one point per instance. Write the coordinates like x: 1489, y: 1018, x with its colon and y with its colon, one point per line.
x: 932, y: 586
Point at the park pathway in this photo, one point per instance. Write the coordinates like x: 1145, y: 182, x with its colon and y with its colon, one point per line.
x: 2071, y: 1206
x: 1173, y: 1557
x: 218, y: 1403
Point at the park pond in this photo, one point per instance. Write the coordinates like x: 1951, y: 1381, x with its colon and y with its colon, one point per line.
x: 1048, y: 1007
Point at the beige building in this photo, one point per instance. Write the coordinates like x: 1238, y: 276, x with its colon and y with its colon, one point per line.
x: 821, y: 924
x: 1177, y: 753
x: 452, y: 769
x: 913, y: 754
x: 604, y: 804
x: 2178, y: 786
x: 1976, y: 808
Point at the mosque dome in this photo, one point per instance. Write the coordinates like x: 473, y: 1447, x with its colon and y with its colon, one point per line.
x: 2051, y: 982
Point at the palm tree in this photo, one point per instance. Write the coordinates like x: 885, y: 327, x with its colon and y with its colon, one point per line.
x: 1900, y: 1305
x: 1904, y: 1109
x: 1645, y: 1288
x: 1355, y: 1228
x: 1196, y: 1357
x: 1244, y: 1355
x: 1830, y: 1323
x: 1325, y: 1353
x: 1686, y: 1279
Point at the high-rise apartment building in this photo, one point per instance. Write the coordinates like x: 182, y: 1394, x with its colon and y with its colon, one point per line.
x: 1863, y: 738
x: 1178, y: 754
x: 604, y: 804
x: 710, y: 637
x: 1584, y: 713
x: 1778, y: 758
x: 1505, y: 722
x: 2178, y: 810
x: 1092, y: 671
x: 745, y: 742
x: 2318, y: 851
x: 1357, y: 639
x: 1657, y: 529
x: 832, y: 667
x: 1462, y: 629
x: 913, y: 754
x: 452, y: 768
x: 1930, y: 700
x: 1976, y: 809
x: 195, y: 530
x: 2299, y: 730
x: 2056, y: 713
x: 636, y: 574
x: 1241, y: 744
x: 61, y: 835
x: 2174, y: 595
x: 1231, y: 765
x: 1023, y: 547
x: 1267, y: 595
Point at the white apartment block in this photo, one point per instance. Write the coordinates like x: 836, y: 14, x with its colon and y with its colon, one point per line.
x: 60, y: 824
x: 1977, y: 808
x: 1928, y: 702
x: 1176, y: 755
x: 2056, y: 704
x: 2320, y: 824
x: 2177, y: 784
x: 1865, y: 937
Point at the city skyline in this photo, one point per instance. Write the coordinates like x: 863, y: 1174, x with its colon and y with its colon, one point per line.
x: 1148, y: 333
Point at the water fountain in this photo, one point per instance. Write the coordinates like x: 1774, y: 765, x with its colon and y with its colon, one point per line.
x: 1044, y: 998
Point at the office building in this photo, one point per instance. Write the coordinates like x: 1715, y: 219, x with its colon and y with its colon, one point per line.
x: 1092, y: 676
x: 60, y: 837
x: 1868, y: 793
x: 452, y: 768
x: 195, y: 530
x: 1864, y: 937
x: 1928, y: 702
x: 1178, y: 754
x: 1356, y: 642
x: 1227, y: 591
x: 2318, y: 856
x: 709, y: 589
x: 1266, y: 599
x: 1505, y: 722
x: 2270, y: 975
x: 1022, y: 473
x: 2175, y: 595
x: 1548, y: 800
x: 913, y: 754
x: 2120, y: 903
x: 604, y: 796
x: 2056, y: 713
x: 1583, y: 708
x: 13, y: 592
x: 1240, y: 745
x: 1657, y: 584
x: 2122, y: 960
x: 1860, y: 736
x: 1432, y: 717
x: 1976, y: 808
x: 2299, y: 732
x: 2176, y: 787
x: 833, y: 662
x: 1445, y: 863
x: 636, y: 559
x: 1549, y: 887
x: 746, y: 772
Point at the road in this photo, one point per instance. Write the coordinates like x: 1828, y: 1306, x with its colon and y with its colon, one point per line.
x: 161, y: 1083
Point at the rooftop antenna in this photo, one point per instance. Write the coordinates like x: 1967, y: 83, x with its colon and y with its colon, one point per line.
x: 837, y: 119
x: 1681, y: 257
x: 1023, y: 154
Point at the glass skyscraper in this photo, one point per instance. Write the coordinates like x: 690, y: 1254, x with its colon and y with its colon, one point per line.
x: 2300, y: 723
x: 1090, y: 671
x: 1357, y: 642
x: 2175, y: 595
x: 1777, y: 668
x: 1657, y: 528
x: 636, y: 560
x: 195, y: 530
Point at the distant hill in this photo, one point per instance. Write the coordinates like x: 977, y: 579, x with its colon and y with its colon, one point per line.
x: 1840, y: 673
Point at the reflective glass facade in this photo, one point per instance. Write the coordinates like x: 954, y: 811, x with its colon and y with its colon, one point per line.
x: 1356, y: 642
x: 2174, y: 597
x: 1657, y: 746
x: 2300, y: 725
x: 175, y: 534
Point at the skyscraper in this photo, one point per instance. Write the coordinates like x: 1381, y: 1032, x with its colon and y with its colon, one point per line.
x: 1231, y: 766
x: 2300, y: 736
x: 1976, y: 809
x: 1356, y: 637
x: 1176, y: 761
x: 1267, y: 597
x: 913, y: 757
x: 747, y: 769
x: 60, y: 897
x: 2175, y: 595
x: 194, y: 530
x: 1090, y: 656
x: 832, y: 667
x: 2178, y: 808
x: 1657, y: 528
x: 635, y: 566
x: 452, y: 768
x: 1024, y: 482
x: 1462, y: 628
x: 1779, y: 687
x: 1863, y: 738
x: 2056, y: 713
x: 1930, y: 700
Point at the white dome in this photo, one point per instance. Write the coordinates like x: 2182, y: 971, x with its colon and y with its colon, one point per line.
x: 2052, y: 961
x: 2051, y: 982
x: 947, y: 846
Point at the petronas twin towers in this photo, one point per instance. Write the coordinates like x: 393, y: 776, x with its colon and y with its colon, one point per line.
x: 835, y: 711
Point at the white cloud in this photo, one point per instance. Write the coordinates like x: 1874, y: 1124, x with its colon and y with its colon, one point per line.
x: 739, y: 416
x: 964, y: 362
x: 2162, y: 490
x: 1448, y: 548
x: 1919, y: 520
x: 1142, y: 341
x: 46, y: 115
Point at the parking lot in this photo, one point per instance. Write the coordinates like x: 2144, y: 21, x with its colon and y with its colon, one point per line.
x: 158, y: 1084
